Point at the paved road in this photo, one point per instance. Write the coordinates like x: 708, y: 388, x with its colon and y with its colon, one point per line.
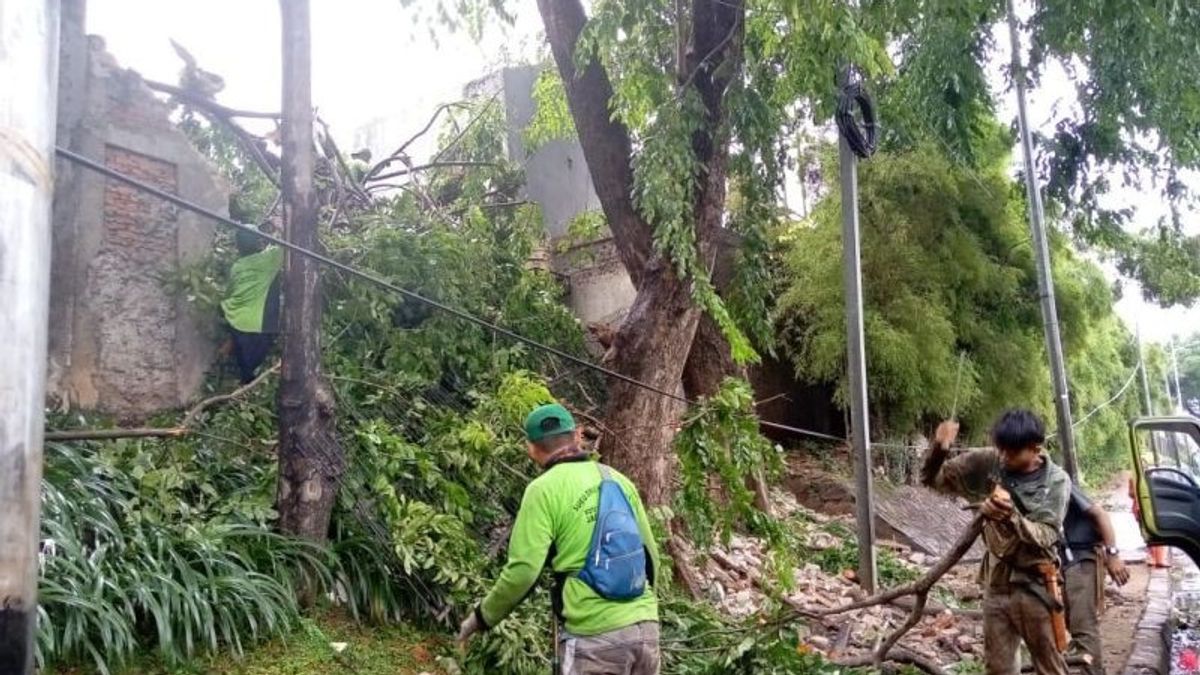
x: 1120, y: 510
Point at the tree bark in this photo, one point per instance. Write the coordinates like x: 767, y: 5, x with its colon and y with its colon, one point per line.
x: 651, y: 346
x: 311, y: 461
x: 653, y: 342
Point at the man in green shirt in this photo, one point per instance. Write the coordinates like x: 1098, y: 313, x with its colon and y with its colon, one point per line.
x: 1022, y: 530
x: 251, y: 305
x: 554, y: 526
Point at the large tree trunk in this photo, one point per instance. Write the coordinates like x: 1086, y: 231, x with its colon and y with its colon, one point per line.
x: 651, y: 346
x: 653, y: 343
x: 310, y: 459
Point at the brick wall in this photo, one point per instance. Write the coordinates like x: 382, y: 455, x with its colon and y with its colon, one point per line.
x: 124, y: 340
x: 135, y: 313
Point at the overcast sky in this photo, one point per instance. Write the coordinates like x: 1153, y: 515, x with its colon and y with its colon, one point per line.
x: 372, y: 61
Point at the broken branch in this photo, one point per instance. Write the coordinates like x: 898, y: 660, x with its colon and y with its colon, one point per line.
x: 920, y: 588
x: 426, y: 167
x: 898, y: 656
x: 196, y: 99
x: 222, y: 115
x: 182, y: 429
x: 925, y: 583
x: 396, y: 155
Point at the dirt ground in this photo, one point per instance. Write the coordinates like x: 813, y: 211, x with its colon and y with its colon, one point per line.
x: 1119, y: 623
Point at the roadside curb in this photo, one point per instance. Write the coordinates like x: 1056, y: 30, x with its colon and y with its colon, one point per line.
x: 1152, y: 640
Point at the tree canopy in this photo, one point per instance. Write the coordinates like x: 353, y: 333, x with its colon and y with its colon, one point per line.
x: 949, y: 276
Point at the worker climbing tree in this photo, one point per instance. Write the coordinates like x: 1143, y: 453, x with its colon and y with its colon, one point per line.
x: 252, y: 306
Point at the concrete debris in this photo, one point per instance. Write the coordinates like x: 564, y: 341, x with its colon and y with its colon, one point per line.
x: 945, y: 638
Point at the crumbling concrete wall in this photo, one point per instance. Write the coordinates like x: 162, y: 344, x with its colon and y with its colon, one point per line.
x: 557, y: 180
x: 121, y: 341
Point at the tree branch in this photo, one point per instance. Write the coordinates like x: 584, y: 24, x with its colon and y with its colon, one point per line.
x: 925, y: 583
x: 920, y: 588
x: 428, y: 166
x: 605, y: 141
x: 184, y: 427
x: 898, y: 656
x: 453, y: 142
x: 200, y: 407
x: 396, y: 154
x: 205, y: 102
x: 223, y: 115
x: 108, y: 434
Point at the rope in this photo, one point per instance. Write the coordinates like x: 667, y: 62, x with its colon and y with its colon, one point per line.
x: 861, y: 140
x: 383, y: 283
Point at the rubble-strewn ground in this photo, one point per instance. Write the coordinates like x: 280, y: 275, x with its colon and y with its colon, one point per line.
x: 1185, y: 616
x: 823, y: 579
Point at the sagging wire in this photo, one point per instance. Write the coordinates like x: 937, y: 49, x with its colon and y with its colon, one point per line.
x: 383, y: 283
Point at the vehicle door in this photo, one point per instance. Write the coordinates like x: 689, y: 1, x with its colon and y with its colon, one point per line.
x: 1166, y: 459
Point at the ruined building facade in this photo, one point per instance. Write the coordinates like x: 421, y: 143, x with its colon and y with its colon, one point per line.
x: 121, y: 341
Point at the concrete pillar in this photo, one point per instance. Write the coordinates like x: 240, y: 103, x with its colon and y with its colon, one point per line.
x: 28, y: 92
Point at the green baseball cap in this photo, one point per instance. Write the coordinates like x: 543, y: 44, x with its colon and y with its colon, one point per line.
x: 548, y: 420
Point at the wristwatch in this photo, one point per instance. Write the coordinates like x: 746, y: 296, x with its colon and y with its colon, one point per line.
x: 1111, y: 551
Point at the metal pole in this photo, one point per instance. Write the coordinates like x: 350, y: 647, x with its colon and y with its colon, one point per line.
x: 860, y: 429
x: 28, y: 92
x: 1175, y: 370
x: 1041, y: 248
x: 1170, y: 396
x: 1147, y: 402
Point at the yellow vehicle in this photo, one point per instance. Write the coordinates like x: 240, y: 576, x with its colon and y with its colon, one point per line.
x: 1166, y: 464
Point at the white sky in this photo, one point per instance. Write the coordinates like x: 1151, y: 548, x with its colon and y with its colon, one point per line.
x: 372, y: 60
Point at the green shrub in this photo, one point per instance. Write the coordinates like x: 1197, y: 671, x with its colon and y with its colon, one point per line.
x: 121, y: 572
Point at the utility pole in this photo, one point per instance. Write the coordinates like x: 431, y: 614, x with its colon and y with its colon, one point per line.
x: 28, y: 97
x: 1167, y: 385
x: 1041, y: 249
x: 1147, y: 402
x: 311, y: 460
x: 1175, y: 370
x: 860, y: 426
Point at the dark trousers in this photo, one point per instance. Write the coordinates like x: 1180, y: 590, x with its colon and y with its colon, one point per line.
x: 249, y: 351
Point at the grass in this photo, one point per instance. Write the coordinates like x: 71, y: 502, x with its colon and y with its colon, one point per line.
x: 395, y: 649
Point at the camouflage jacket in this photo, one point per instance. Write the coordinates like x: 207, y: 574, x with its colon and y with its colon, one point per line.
x: 1033, y: 532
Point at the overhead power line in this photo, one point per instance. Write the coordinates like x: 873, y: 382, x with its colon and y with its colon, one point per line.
x: 1119, y: 394
x: 383, y: 283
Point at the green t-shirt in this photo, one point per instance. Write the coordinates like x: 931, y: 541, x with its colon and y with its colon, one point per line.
x: 559, y: 508
x: 250, y: 281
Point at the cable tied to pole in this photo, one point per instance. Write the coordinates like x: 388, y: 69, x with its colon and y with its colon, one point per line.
x: 861, y: 139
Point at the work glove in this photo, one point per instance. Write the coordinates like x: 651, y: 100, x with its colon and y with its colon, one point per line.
x: 1116, y: 569
x: 470, y: 626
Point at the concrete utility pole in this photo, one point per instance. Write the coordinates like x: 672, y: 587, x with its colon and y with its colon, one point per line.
x: 860, y: 424
x: 311, y: 461
x: 1041, y: 249
x: 28, y: 92
x: 1147, y: 402
x: 1175, y: 370
x: 1170, y: 396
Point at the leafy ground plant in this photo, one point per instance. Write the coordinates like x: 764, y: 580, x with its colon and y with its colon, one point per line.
x: 119, y: 575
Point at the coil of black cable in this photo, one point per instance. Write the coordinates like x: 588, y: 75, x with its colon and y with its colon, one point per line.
x: 860, y: 139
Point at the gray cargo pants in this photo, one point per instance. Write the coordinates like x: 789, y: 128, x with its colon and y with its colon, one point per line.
x: 632, y: 650
x: 1085, y: 589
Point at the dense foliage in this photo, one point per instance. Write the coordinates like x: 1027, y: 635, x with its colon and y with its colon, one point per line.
x: 1187, y: 358
x: 1133, y: 126
x: 949, y: 278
